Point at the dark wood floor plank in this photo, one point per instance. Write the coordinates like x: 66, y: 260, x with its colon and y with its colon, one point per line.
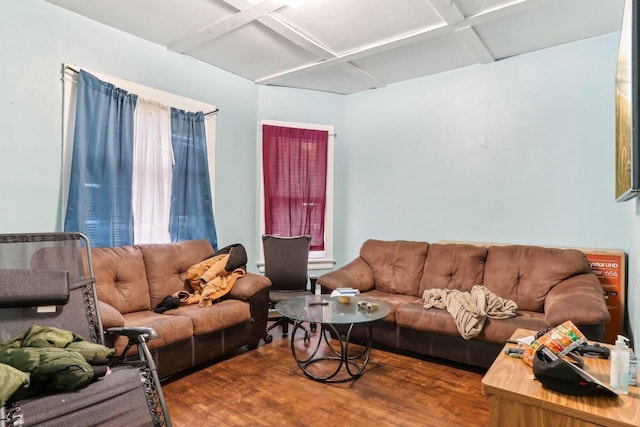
x: 265, y: 387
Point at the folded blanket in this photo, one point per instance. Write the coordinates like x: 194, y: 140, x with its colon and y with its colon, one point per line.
x: 470, y: 309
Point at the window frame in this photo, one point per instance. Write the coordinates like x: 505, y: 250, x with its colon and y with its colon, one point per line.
x: 317, y: 260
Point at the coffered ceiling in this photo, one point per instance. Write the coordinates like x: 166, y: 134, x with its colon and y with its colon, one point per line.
x: 347, y: 46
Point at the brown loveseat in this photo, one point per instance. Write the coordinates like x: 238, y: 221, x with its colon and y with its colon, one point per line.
x: 133, y: 280
x: 548, y: 285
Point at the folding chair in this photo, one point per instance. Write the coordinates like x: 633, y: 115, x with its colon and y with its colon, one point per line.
x: 47, y: 280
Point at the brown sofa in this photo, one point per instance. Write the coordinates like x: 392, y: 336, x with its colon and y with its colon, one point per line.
x: 133, y: 280
x: 549, y: 286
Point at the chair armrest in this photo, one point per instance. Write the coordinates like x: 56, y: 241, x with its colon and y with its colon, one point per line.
x: 249, y: 285
x: 312, y: 283
x: 110, y: 317
x: 579, y: 299
x: 135, y: 333
x: 139, y: 335
x: 357, y: 274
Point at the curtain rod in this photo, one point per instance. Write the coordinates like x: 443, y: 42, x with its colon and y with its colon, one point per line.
x: 72, y: 69
x: 335, y: 135
x: 68, y: 67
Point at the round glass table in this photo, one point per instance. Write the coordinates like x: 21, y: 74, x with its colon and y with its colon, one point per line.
x: 330, y: 313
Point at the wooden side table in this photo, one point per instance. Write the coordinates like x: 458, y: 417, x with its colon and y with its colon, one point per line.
x: 517, y: 399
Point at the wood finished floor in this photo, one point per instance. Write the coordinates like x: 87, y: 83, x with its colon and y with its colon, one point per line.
x: 265, y: 387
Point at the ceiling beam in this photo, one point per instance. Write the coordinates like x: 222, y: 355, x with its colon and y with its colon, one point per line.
x: 296, y: 37
x: 226, y: 25
x: 467, y: 36
x: 277, y: 25
x: 470, y: 39
x: 448, y: 10
x: 414, y: 37
x: 367, y: 79
x: 362, y: 52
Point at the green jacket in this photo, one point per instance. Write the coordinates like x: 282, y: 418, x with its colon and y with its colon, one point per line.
x: 48, y: 337
x: 55, y: 359
x: 11, y: 381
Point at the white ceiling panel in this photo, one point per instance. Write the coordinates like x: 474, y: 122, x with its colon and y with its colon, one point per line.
x: 253, y: 51
x: 335, y: 79
x: 418, y: 59
x: 476, y: 7
x: 556, y: 23
x: 159, y: 21
x: 343, y: 26
x: 345, y: 46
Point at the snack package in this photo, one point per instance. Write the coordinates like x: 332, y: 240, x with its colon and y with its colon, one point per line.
x: 560, y: 340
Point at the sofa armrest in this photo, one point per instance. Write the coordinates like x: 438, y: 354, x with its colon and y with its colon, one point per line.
x: 110, y: 317
x: 579, y: 299
x: 249, y: 285
x: 357, y: 274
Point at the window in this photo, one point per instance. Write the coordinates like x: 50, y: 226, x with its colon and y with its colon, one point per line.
x: 286, y: 207
x: 148, y: 163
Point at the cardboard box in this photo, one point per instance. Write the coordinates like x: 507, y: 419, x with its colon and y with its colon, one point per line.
x: 611, y: 268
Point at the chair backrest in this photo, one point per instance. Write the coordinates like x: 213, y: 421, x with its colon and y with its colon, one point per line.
x: 44, y: 281
x: 285, y: 261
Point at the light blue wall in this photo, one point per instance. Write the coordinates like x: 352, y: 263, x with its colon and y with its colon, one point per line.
x: 299, y: 105
x: 36, y: 38
x: 517, y: 151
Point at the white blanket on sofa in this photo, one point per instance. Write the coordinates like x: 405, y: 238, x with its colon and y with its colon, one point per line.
x: 470, y: 309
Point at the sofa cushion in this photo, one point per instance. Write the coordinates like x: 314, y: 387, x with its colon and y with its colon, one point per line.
x: 394, y: 301
x: 415, y: 316
x: 120, y: 276
x: 397, y: 265
x: 167, y: 265
x: 171, y: 329
x: 525, y: 274
x: 453, y: 266
x: 215, y: 317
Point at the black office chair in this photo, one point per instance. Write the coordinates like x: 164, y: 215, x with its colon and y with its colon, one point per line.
x: 285, y: 264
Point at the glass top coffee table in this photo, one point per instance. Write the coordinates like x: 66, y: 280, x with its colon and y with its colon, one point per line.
x: 329, y: 312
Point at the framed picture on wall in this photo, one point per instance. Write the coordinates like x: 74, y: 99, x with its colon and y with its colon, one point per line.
x: 627, y: 109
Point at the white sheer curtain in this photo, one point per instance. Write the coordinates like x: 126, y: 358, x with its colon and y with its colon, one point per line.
x: 152, y: 164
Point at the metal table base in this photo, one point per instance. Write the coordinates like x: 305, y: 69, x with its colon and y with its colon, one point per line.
x: 352, y: 366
